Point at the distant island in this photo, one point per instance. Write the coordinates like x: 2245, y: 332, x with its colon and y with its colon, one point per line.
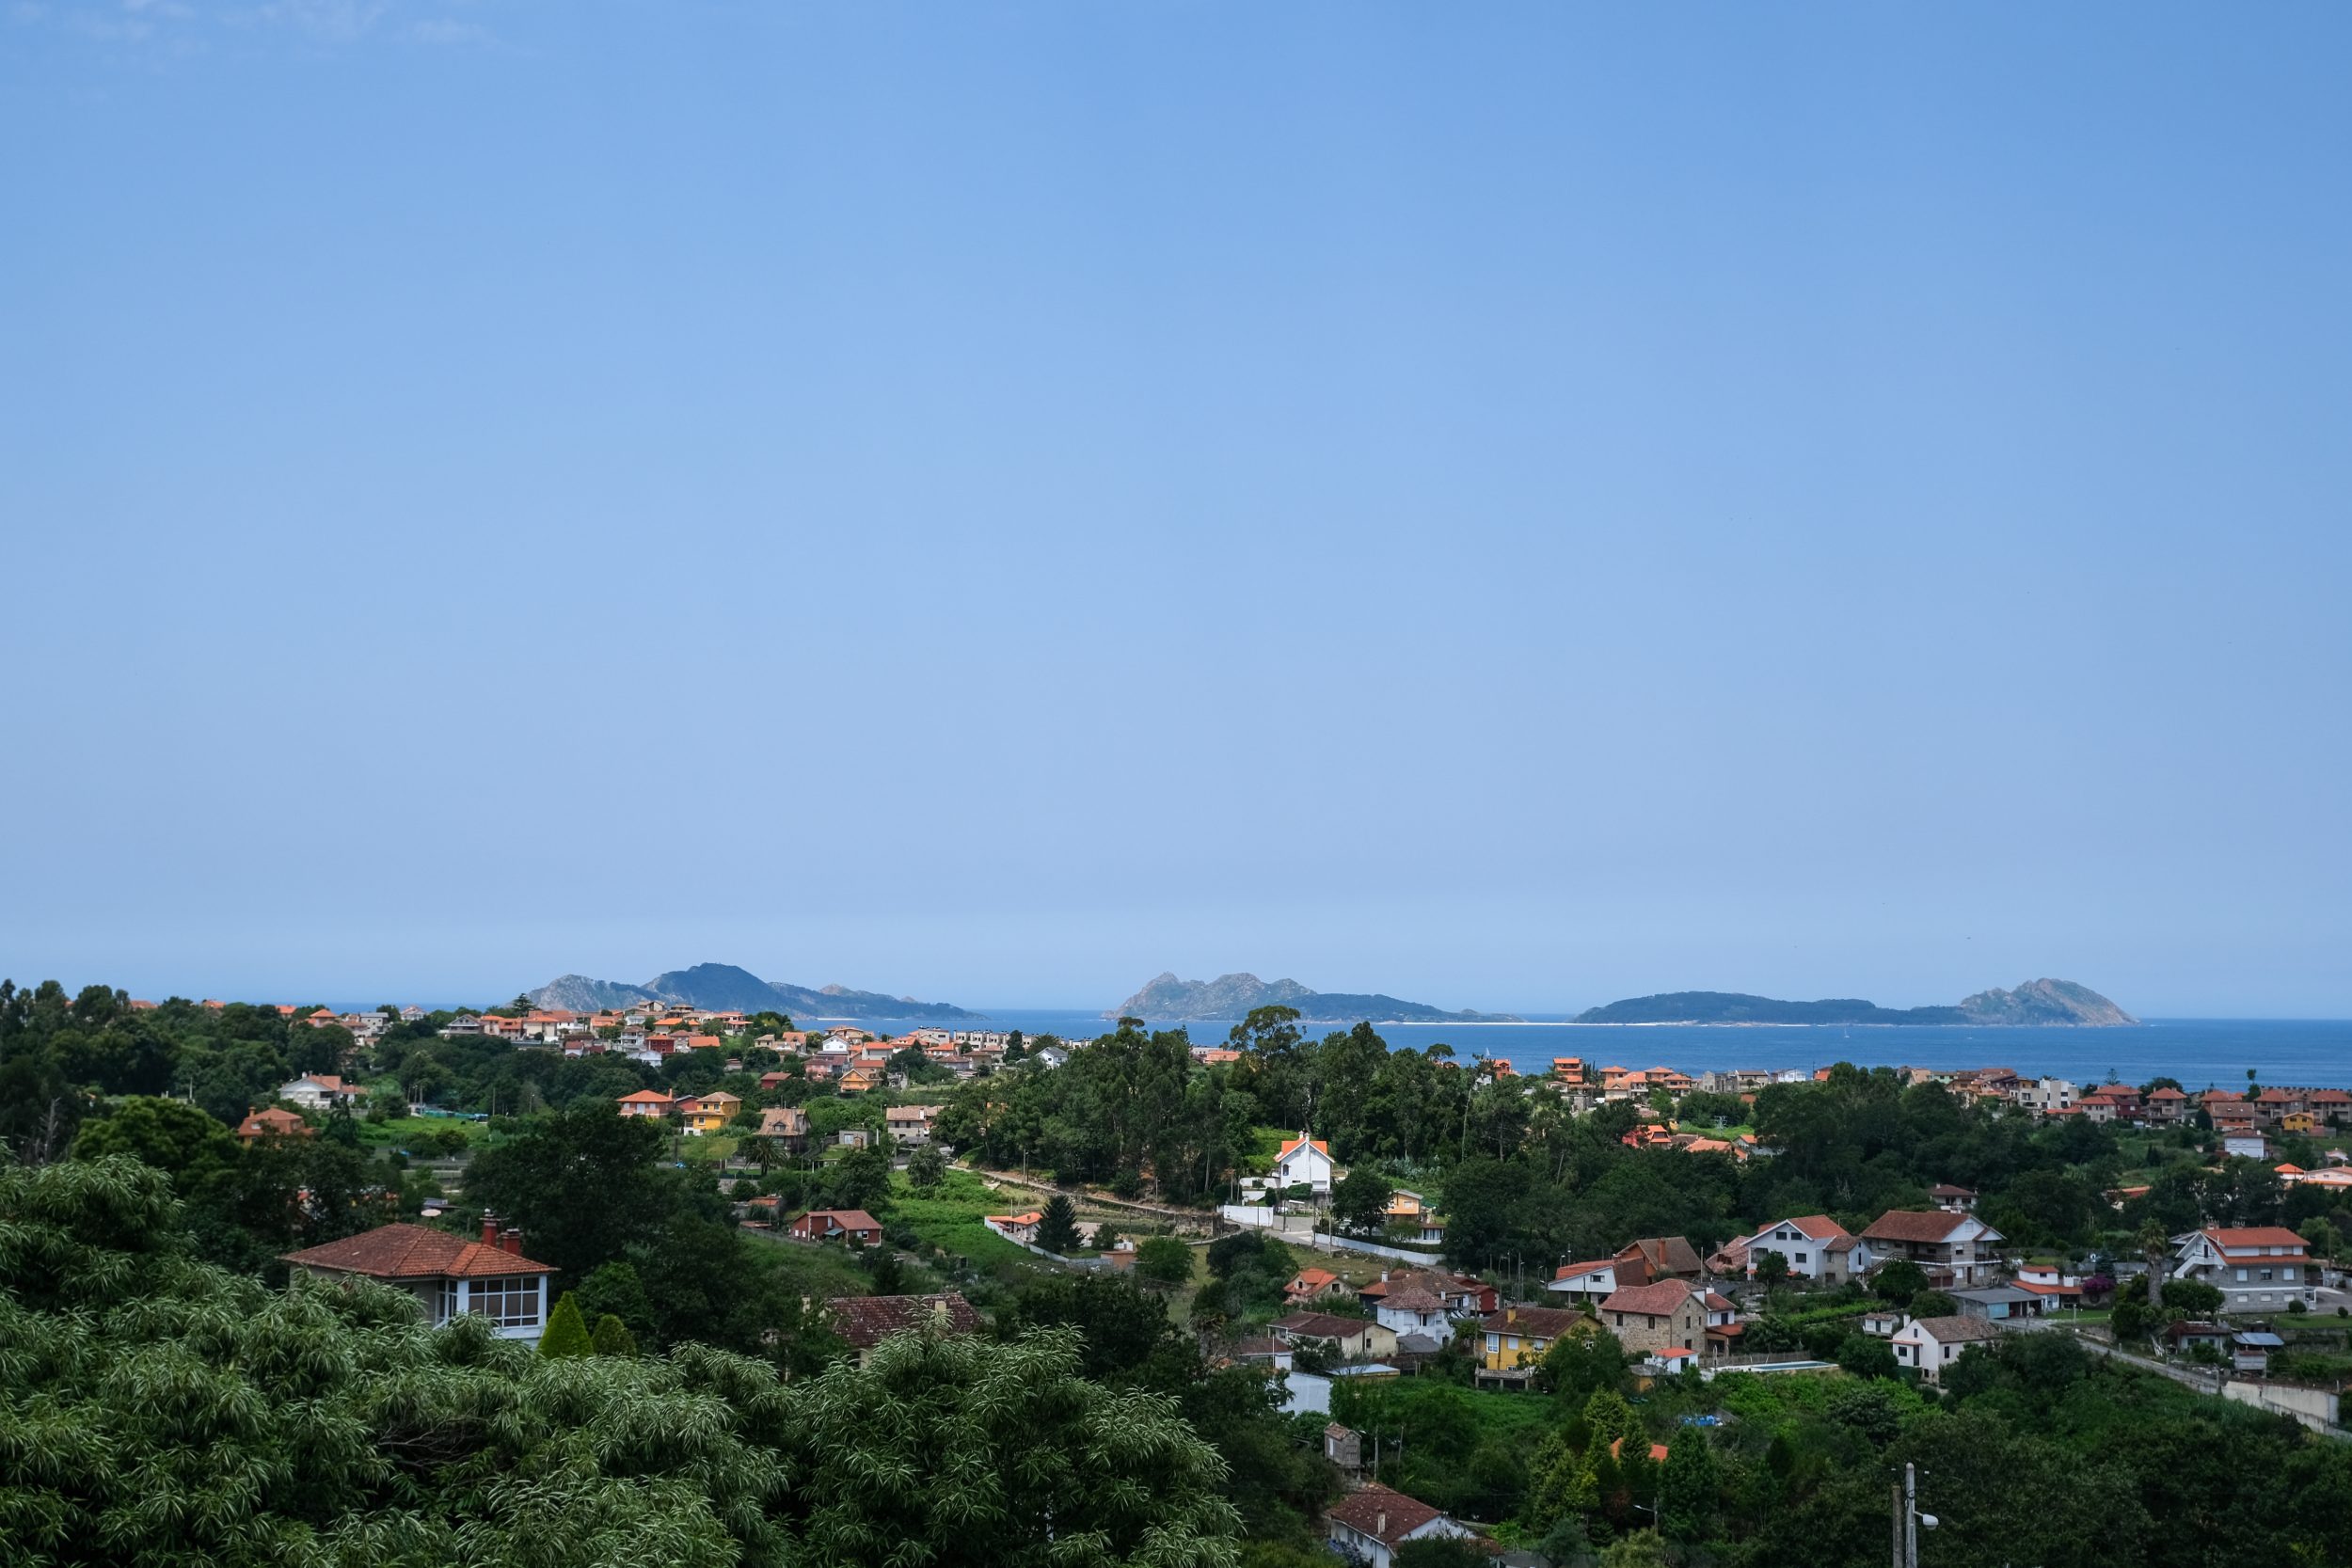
x: 2035, y: 1004
x: 1233, y: 996
x: 728, y: 989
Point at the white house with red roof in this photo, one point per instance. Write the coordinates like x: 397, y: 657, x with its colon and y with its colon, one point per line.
x: 1815, y: 1247
x: 450, y: 1277
x: 1304, y: 1162
x: 647, y: 1102
x: 1594, y: 1280
x: 2256, y: 1268
x: 1370, y: 1523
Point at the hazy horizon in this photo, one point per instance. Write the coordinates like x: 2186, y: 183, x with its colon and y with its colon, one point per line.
x: 1512, y: 509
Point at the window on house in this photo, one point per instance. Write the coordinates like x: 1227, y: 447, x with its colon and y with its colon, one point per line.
x: 1798, y: 1258
x: 509, y: 1301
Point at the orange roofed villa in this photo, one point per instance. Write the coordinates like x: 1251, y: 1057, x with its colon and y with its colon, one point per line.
x: 450, y: 1277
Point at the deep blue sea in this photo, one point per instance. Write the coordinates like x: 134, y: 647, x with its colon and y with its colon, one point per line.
x: 2199, y: 1051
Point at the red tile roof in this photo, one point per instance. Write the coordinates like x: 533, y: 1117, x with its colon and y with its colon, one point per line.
x: 413, y: 1252
x: 1911, y: 1224
x: 2257, y: 1235
x: 866, y: 1321
x: 1385, y: 1515
x: 1818, y: 1227
x: 1662, y: 1300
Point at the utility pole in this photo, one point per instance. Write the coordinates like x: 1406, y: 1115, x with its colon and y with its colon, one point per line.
x: 1911, y: 1517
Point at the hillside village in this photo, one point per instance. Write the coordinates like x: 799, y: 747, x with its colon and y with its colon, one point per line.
x: 885, y: 1189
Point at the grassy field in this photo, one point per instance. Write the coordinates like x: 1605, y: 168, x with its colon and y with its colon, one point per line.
x: 948, y: 1218
x: 413, y: 1133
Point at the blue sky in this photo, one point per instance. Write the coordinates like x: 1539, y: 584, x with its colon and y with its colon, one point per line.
x: 1511, y: 508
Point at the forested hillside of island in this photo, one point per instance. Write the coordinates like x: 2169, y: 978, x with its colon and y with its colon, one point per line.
x: 2033, y: 1004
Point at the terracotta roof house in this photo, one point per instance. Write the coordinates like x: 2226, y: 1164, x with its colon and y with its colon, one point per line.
x: 1954, y: 1248
x: 274, y: 1122
x: 1590, y: 1280
x: 1664, y: 1315
x: 1814, y: 1246
x: 1370, y: 1523
x: 864, y: 1321
x: 646, y: 1103
x: 1309, y: 1286
x: 2258, y: 1268
x: 1304, y: 1162
x: 449, y: 1275
x: 835, y: 1225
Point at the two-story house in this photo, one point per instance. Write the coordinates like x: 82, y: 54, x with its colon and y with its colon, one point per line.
x: 1415, y: 1311
x: 910, y: 1124
x: 1929, y: 1345
x: 449, y: 1275
x: 2256, y: 1268
x: 1304, y: 1162
x: 317, y: 1091
x: 1815, y: 1247
x: 1371, y: 1523
x: 708, y: 1114
x: 1668, y: 1314
x: 1953, y: 1249
x: 1517, y: 1337
x: 788, y: 1125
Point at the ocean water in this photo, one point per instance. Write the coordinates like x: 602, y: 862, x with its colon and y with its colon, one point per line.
x: 2201, y: 1052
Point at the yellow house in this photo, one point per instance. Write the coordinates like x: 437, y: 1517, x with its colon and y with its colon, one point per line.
x: 710, y: 1113
x: 2298, y: 1121
x: 1518, y: 1336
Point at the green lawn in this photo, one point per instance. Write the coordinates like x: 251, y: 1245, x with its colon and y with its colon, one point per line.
x: 948, y: 1218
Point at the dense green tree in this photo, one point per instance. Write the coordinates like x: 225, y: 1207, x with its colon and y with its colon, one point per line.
x: 1163, y: 1259
x: 1899, y: 1281
x: 1687, y: 1486
x: 612, y: 1337
x: 927, y: 1167
x: 1360, y: 1201
x: 567, y: 1334
x: 1057, y: 1225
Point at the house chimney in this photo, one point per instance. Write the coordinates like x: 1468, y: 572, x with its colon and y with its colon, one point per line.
x: 511, y: 1240
x: 1380, y: 1524
x: 490, y: 1229
x: 1510, y: 1314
